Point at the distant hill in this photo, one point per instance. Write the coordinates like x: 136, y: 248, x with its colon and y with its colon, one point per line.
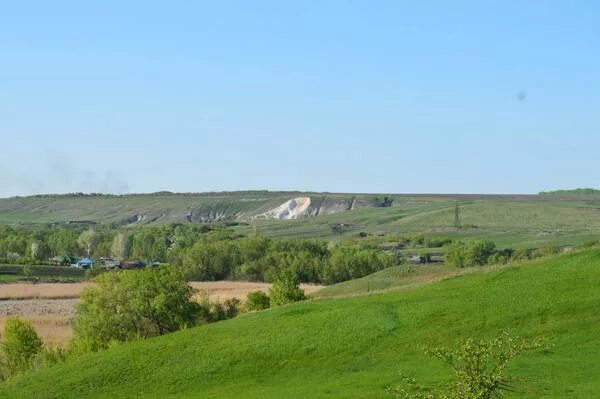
x: 166, y: 207
x: 509, y: 220
x: 355, y: 347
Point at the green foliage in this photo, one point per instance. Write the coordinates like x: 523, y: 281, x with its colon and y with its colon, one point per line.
x: 150, y: 244
x: 257, y: 300
x: 417, y: 239
x: 479, y: 368
x: 285, y: 289
x: 87, y: 241
x: 432, y: 242
x: 19, y: 347
x: 232, y: 307
x: 128, y: 305
x: 121, y: 245
x: 473, y: 253
x: 27, y: 272
x: 49, y: 356
x: 348, y: 263
x: 480, y: 251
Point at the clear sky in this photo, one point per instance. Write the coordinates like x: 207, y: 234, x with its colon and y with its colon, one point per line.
x: 354, y: 96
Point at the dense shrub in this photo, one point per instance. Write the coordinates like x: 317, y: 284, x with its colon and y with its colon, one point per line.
x: 348, y: 263
x: 257, y: 300
x: 232, y: 307
x: 285, y: 289
x: 19, y: 347
x: 474, y: 253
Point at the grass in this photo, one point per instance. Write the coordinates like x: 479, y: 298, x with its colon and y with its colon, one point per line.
x: 393, y: 277
x: 517, y: 223
x: 355, y: 347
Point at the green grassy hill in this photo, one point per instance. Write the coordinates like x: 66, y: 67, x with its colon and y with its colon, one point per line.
x: 354, y: 347
x: 392, y: 277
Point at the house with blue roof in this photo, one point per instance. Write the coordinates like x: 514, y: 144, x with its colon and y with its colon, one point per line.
x: 86, y: 263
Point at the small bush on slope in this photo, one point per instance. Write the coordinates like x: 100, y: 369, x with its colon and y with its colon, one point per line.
x: 285, y: 289
x: 479, y: 368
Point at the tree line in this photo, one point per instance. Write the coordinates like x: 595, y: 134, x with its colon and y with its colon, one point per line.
x: 204, y: 252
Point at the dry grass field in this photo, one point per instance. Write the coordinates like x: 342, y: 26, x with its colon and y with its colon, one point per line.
x: 222, y: 290
x: 41, y: 291
x: 50, y: 317
x: 51, y: 306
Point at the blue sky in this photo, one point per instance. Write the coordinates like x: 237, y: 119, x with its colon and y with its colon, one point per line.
x: 354, y: 96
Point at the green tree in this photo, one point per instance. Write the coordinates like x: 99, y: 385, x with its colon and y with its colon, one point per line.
x: 456, y: 254
x: 149, y: 244
x: 87, y: 240
x: 285, y: 289
x: 63, y: 241
x: 480, y: 251
x: 121, y: 245
x: 38, y: 251
x: 134, y: 304
x: 19, y: 347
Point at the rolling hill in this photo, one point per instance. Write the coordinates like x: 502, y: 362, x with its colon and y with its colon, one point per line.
x: 355, y: 347
x: 509, y: 220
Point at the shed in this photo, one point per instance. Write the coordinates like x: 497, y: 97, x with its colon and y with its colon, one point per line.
x: 86, y: 263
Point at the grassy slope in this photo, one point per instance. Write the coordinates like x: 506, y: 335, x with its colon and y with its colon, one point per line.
x: 392, y: 277
x: 354, y: 347
x: 523, y: 223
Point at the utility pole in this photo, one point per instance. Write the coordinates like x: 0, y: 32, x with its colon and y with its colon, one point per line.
x: 457, y: 216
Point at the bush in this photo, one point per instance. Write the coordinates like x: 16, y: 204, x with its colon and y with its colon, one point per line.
x: 128, y: 305
x: 480, y: 251
x: 19, y: 348
x: 437, y: 242
x: 457, y: 253
x: 479, y: 367
x: 257, y: 300
x: 465, y: 254
x: 232, y: 307
x: 285, y: 289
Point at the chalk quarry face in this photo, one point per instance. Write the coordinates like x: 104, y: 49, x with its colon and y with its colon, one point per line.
x: 292, y: 209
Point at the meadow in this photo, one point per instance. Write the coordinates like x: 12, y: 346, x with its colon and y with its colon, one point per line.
x: 358, y: 345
